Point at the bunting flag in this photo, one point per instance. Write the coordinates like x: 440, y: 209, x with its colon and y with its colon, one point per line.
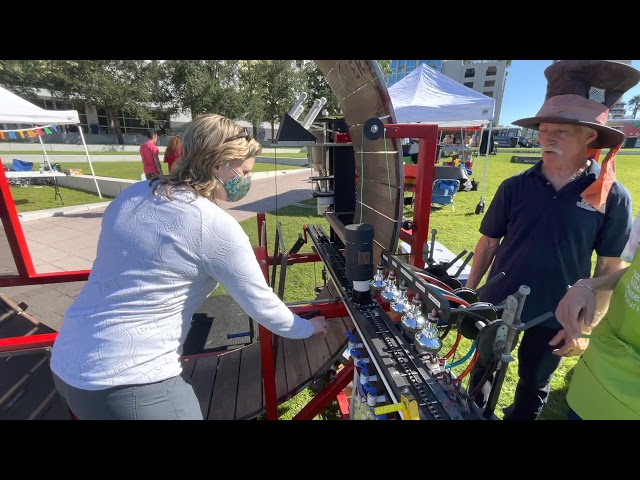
x: 31, y: 132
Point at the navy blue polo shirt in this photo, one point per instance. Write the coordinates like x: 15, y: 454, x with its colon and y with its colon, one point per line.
x: 548, y: 237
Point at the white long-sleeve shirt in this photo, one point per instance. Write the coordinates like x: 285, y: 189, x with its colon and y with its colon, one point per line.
x: 157, y: 261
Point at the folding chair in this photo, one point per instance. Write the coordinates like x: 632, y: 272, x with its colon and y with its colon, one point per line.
x: 21, y: 166
x: 444, y: 189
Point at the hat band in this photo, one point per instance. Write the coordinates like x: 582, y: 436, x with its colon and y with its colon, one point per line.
x: 574, y: 107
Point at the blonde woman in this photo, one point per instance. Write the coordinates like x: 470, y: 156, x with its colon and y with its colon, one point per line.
x: 164, y: 247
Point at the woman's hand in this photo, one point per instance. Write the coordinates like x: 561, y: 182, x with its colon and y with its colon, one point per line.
x: 567, y: 346
x: 320, y: 326
x: 576, y: 307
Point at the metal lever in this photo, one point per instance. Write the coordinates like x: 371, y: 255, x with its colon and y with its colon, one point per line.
x: 458, y: 257
x: 524, y: 326
x: 464, y: 264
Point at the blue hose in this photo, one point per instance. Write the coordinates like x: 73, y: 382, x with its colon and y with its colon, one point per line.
x: 463, y: 359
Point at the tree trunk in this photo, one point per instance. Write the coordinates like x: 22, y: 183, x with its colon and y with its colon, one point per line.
x: 113, y: 119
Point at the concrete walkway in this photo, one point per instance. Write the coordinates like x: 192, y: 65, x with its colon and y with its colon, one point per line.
x: 65, y: 239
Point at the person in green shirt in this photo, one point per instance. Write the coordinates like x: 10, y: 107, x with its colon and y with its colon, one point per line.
x: 606, y: 380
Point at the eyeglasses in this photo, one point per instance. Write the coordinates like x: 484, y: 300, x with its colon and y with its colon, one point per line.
x: 243, y: 134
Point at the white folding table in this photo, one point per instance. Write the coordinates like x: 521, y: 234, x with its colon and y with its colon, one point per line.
x: 36, y: 174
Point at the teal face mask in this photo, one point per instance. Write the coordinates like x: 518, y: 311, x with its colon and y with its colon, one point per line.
x: 237, y: 187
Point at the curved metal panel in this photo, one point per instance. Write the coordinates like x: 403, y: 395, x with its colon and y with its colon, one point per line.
x: 361, y: 91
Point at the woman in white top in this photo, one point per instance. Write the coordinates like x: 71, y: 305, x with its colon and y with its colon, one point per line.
x: 164, y: 246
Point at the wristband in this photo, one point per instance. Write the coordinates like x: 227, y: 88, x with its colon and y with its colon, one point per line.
x: 583, y: 286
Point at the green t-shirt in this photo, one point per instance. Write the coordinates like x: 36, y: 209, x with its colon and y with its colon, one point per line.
x: 606, y: 379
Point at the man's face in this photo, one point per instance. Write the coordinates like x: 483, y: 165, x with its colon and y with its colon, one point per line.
x: 559, y: 140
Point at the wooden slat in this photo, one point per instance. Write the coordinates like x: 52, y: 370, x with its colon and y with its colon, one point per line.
x: 365, y: 103
x: 225, y: 390
x: 346, y: 76
x: 298, y: 372
x: 336, y: 338
x: 187, y: 369
x: 318, y: 353
x: 380, y: 197
x: 203, y: 379
x: 57, y: 410
x: 250, y: 390
x: 378, y: 167
x: 31, y: 392
x: 383, y: 227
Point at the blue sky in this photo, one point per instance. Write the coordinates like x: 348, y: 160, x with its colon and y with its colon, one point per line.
x: 526, y: 87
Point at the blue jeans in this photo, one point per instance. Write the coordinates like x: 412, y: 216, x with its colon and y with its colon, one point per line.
x: 536, y: 365
x: 572, y: 415
x: 171, y: 399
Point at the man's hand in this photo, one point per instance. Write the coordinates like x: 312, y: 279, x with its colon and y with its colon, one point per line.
x: 567, y: 345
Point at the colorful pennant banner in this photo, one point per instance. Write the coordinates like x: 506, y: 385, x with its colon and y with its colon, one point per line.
x: 31, y: 132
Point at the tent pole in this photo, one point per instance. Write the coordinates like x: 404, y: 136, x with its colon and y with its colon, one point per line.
x: 44, y: 150
x: 89, y: 159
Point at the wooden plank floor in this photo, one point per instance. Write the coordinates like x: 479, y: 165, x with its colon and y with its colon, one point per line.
x: 226, y: 373
x: 229, y: 382
x: 27, y: 391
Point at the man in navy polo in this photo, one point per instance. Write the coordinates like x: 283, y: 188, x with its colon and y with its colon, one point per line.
x: 544, y: 224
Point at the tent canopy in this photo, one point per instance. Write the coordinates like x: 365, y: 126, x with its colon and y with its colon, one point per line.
x: 14, y: 109
x: 428, y: 96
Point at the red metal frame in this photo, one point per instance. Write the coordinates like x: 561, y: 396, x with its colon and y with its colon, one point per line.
x: 428, y: 139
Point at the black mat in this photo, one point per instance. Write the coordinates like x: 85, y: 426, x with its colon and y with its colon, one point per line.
x: 219, y: 324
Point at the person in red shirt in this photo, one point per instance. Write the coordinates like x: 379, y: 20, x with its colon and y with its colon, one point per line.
x: 150, y: 159
x: 172, y: 153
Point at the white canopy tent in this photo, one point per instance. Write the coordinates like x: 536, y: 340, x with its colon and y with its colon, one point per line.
x: 15, y: 109
x: 428, y: 96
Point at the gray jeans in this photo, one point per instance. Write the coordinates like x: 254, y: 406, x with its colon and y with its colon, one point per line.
x: 171, y: 399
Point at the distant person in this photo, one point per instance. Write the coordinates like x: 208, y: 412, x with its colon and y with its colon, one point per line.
x: 150, y: 159
x: 164, y: 246
x: 544, y: 224
x: 172, y: 153
x: 485, y: 142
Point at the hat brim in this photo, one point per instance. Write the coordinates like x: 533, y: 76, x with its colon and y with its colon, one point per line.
x: 607, y: 137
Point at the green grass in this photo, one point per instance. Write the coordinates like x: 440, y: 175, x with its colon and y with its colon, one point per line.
x: 37, y: 197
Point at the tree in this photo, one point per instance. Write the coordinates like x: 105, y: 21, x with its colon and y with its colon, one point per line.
x: 635, y: 104
x: 253, y: 90
x: 283, y: 82
x: 385, y: 67
x: 317, y: 87
x: 204, y: 86
x: 117, y: 85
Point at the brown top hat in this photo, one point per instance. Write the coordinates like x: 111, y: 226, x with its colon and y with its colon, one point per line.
x: 581, y: 92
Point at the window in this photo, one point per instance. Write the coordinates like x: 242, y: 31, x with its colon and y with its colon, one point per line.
x: 492, y: 71
x: 470, y: 73
x: 468, y: 84
x: 489, y: 83
x: 488, y: 94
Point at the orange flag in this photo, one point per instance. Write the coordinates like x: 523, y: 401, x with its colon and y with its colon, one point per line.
x: 596, y: 193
